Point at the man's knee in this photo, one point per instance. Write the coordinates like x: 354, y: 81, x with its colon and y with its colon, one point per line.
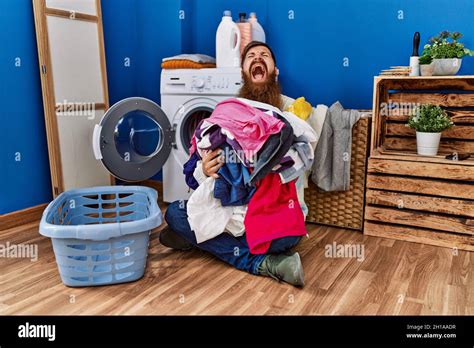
x: 175, y: 212
x: 282, y: 244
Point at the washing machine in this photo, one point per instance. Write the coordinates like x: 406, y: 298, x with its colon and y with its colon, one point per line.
x: 136, y: 137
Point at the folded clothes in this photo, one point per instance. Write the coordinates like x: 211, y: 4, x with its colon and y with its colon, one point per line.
x: 196, y: 58
x: 188, y: 61
x: 186, y: 64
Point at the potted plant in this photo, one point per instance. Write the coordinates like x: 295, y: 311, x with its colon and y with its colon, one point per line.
x: 429, y: 121
x: 426, y: 65
x: 447, y: 53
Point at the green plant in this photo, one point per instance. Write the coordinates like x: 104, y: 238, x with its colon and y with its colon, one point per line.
x: 430, y: 119
x: 446, y: 45
x: 425, y: 60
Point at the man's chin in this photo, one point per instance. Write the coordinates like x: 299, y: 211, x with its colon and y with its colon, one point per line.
x: 259, y: 81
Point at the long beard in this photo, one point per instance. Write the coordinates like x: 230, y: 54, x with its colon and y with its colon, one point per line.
x: 268, y: 92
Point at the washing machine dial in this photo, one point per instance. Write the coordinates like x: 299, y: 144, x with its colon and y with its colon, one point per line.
x: 199, y: 83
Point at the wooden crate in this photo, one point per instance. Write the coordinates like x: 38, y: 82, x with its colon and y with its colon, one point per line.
x: 417, y: 198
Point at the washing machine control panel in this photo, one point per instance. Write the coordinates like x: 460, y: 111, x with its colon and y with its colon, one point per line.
x: 204, y: 81
x: 212, y: 83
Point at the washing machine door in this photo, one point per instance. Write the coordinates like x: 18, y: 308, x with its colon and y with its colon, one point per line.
x: 134, y: 139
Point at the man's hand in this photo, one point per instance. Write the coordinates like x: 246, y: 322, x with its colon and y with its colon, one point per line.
x: 212, y: 162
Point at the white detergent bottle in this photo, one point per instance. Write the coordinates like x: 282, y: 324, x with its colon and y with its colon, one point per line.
x: 227, y: 43
x: 258, y: 34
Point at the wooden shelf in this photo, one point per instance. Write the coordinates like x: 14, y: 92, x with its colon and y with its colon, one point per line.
x: 455, y: 77
x: 381, y: 153
x: 424, y: 199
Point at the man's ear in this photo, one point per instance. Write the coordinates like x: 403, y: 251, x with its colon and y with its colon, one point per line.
x: 277, y: 72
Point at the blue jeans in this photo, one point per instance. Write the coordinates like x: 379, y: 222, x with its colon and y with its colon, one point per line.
x: 230, y: 249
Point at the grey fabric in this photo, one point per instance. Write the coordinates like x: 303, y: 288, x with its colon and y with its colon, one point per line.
x: 272, y: 152
x: 332, y: 157
x: 303, y: 161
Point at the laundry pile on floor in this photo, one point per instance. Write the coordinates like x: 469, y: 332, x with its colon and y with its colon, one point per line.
x: 188, y: 61
x: 265, y: 151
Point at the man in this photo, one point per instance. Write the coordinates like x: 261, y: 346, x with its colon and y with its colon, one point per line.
x: 259, y: 75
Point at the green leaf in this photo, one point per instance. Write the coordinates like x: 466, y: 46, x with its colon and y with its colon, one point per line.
x: 429, y: 118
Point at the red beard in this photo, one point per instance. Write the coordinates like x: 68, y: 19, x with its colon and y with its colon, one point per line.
x: 268, y: 92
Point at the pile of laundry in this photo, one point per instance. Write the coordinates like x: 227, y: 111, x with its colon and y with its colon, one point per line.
x: 265, y: 151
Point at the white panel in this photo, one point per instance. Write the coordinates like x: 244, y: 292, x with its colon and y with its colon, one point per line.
x: 80, y: 168
x: 75, y: 59
x: 82, y: 6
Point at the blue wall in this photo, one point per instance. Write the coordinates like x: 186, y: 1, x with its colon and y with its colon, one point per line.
x: 310, y: 50
x: 24, y: 166
x: 144, y: 31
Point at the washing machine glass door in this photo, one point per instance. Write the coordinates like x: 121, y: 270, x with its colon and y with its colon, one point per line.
x: 134, y: 139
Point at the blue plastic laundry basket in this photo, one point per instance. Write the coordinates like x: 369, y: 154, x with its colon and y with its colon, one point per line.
x: 100, y: 234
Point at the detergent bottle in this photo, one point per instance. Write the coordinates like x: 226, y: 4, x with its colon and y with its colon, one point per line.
x: 258, y: 34
x: 227, y: 43
x: 245, y: 31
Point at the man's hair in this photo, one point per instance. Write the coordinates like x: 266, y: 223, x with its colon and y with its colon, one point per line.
x: 255, y: 44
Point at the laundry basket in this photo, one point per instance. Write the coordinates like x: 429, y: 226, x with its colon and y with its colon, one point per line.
x: 344, y: 208
x: 100, y: 234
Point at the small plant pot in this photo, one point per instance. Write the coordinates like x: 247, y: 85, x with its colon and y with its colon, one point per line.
x: 446, y: 67
x: 427, y: 144
x: 426, y: 69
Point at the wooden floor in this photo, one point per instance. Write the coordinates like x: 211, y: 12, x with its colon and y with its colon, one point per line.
x: 394, y: 278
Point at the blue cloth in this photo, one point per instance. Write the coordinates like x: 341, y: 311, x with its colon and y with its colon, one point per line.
x: 233, y: 250
x: 230, y: 187
x: 188, y: 171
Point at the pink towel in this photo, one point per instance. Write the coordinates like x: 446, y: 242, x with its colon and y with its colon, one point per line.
x: 251, y: 127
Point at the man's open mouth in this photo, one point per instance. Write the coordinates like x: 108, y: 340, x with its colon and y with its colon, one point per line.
x: 258, y: 71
